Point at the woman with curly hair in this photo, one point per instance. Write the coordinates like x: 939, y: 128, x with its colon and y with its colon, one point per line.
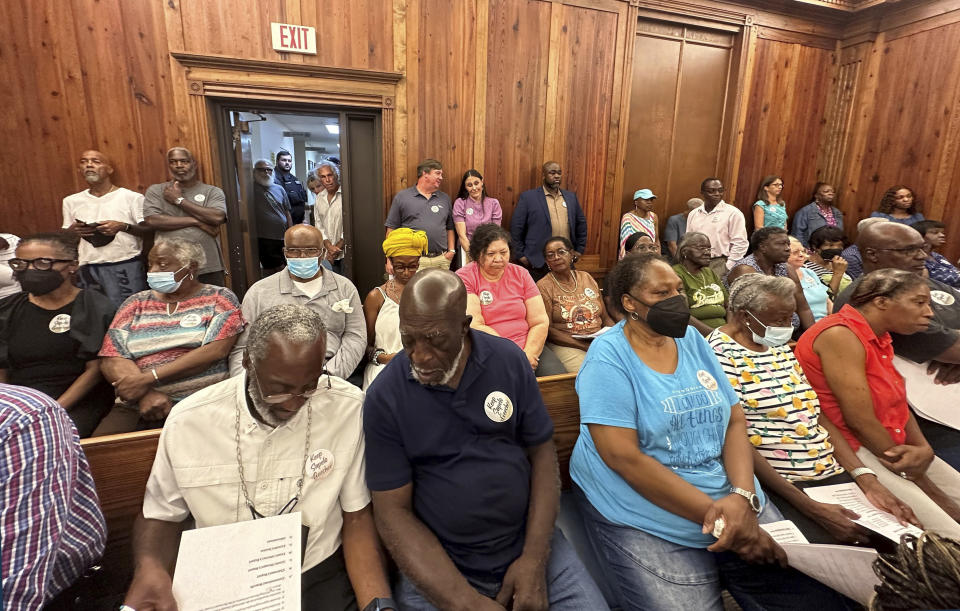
x: 899, y: 204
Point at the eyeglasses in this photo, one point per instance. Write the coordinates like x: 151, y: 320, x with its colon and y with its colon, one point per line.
x: 556, y: 254
x: 284, y: 397
x: 40, y: 263
x: 406, y: 268
x: 910, y: 250
x: 267, y: 170
x: 300, y: 253
x: 644, y: 248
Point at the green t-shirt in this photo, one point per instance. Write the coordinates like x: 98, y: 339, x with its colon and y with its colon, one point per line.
x: 706, y: 295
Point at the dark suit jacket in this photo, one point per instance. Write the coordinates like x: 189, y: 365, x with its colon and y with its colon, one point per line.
x: 530, y: 225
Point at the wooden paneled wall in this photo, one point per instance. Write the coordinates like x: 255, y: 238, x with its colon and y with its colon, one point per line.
x: 500, y: 85
x: 790, y: 88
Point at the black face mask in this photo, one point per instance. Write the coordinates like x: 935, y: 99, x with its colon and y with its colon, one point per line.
x: 827, y: 254
x: 39, y: 282
x: 669, y: 317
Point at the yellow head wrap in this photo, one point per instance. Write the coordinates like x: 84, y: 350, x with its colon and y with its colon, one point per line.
x: 405, y: 242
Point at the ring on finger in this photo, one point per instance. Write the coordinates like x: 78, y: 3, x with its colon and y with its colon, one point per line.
x: 903, y: 474
x: 718, y: 525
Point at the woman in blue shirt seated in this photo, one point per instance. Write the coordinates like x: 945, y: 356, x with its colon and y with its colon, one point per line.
x: 663, y: 467
x: 899, y: 204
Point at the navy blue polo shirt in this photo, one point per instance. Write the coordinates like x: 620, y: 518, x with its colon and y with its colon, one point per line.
x: 464, y: 450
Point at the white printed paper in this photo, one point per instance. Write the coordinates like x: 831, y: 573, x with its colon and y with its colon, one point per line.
x: 591, y: 335
x: 850, y: 496
x: 846, y: 569
x: 241, y: 566
x: 929, y: 400
x: 784, y: 532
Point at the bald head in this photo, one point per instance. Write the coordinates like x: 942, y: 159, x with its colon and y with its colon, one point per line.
x: 303, y: 236
x: 437, y: 292
x: 891, y: 246
x: 434, y: 326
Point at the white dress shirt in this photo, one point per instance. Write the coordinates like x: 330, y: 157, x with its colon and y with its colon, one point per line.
x: 328, y: 214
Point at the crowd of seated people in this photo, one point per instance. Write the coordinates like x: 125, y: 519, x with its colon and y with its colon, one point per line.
x: 698, y: 421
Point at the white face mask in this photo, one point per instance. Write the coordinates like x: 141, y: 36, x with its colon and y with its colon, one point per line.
x: 772, y: 336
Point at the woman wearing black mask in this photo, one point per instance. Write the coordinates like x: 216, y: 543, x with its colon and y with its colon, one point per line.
x: 663, y: 466
x: 51, y: 332
x: 827, y: 243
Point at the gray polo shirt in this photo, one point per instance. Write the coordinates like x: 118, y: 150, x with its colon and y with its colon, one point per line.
x: 200, y: 194
x: 346, y: 331
x: 434, y: 216
x: 272, y: 206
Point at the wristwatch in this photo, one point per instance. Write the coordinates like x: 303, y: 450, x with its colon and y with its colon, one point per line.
x: 178, y: 201
x: 381, y: 603
x: 752, y: 498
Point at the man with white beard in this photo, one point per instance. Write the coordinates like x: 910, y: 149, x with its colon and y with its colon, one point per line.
x: 107, y: 218
x: 273, y: 217
x: 282, y: 437
x: 462, y: 465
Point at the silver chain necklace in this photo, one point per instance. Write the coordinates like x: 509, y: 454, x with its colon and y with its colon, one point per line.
x: 303, y: 471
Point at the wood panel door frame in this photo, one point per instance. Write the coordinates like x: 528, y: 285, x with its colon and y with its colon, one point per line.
x: 203, y: 82
x: 739, y: 21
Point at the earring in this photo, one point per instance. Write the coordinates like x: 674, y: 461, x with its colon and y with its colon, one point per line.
x: 634, y: 316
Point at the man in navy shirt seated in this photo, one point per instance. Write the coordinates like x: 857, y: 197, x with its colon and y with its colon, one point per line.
x: 462, y: 466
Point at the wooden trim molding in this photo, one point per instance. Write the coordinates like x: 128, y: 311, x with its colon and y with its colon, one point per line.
x: 802, y: 38
x: 248, y: 90
x: 223, y: 62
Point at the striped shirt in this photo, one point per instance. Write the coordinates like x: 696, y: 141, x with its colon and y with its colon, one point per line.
x: 147, y: 333
x: 51, y: 526
x: 781, y: 409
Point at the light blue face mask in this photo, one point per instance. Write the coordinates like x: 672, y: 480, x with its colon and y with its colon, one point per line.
x: 164, y: 282
x: 305, y: 267
x: 772, y: 336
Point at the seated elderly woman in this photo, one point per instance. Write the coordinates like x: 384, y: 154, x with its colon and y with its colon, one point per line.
x: 769, y: 251
x: 503, y: 299
x: 826, y: 244
x: 573, y: 302
x: 848, y: 360
x: 663, y: 467
x: 815, y: 291
x: 381, y: 308
x: 939, y: 268
x: 794, y: 447
x: 706, y: 294
x: 169, y: 341
x: 640, y: 242
x: 51, y: 332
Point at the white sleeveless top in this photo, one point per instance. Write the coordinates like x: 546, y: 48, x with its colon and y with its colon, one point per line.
x: 387, y: 330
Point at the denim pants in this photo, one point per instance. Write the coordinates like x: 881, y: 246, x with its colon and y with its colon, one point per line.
x: 115, y: 280
x: 569, y: 586
x: 648, y: 572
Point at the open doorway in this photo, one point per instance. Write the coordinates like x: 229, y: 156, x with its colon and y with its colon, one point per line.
x: 297, y: 142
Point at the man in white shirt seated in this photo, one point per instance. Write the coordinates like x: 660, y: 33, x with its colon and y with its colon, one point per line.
x: 304, y: 282
x: 298, y: 432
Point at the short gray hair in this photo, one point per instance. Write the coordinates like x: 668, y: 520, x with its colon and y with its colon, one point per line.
x: 260, y: 162
x: 186, y: 251
x: 295, y: 324
x: 333, y: 168
x: 757, y: 291
x: 870, y: 220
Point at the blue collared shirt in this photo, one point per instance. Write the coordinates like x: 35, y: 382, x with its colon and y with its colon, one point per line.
x: 464, y: 450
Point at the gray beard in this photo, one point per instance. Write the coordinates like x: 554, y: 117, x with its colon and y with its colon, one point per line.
x: 259, y: 405
x: 92, y: 179
x: 447, y: 374
x: 263, y: 182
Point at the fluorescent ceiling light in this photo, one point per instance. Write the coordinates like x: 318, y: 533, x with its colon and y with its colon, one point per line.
x: 333, y: 129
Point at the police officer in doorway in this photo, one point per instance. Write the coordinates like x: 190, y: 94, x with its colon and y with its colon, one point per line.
x: 291, y: 184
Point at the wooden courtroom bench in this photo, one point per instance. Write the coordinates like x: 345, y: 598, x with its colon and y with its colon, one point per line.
x: 121, y: 466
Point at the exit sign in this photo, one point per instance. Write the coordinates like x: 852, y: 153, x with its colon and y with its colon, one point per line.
x: 288, y: 38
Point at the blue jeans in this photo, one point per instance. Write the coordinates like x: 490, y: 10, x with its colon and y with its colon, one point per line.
x: 569, y: 586
x: 652, y: 573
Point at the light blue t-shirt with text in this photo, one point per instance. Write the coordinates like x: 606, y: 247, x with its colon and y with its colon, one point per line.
x: 681, y: 421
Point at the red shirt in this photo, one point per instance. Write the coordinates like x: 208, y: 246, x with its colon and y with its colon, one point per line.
x: 887, y: 389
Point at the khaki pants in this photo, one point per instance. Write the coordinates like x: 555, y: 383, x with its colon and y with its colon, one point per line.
x: 572, y: 358
x: 929, y: 513
x: 438, y: 262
